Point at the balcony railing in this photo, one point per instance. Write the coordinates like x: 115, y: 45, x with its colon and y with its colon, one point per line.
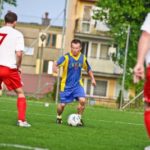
x: 91, y: 27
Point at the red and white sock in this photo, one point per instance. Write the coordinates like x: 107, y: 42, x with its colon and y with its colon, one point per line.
x: 21, y: 105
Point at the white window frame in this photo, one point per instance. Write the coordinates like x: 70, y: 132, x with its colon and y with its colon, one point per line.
x: 101, y: 49
x: 107, y: 87
x: 98, y: 49
x: 90, y: 49
x: 86, y: 22
x: 92, y: 88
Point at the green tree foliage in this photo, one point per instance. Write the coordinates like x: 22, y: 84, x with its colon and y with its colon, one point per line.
x: 11, y: 2
x: 119, y: 14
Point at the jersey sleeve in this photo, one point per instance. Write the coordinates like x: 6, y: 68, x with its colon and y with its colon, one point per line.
x: 20, y: 43
x: 86, y: 65
x: 61, y: 61
x: 146, y: 24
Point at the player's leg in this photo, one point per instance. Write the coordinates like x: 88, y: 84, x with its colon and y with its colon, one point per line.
x: 79, y: 94
x: 0, y: 87
x: 21, y: 106
x: 147, y: 120
x: 81, y: 105
x: 147, y: 101
x: 13, y: 82
x: 3, y: 72
x: 60, y: 109
x: 147, y: 117
x: 80, y: 108
x: 65, y: 98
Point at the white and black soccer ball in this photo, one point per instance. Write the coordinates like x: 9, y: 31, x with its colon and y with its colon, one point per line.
x: 74, y: 120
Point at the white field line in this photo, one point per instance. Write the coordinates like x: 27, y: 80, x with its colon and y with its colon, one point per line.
x: 120, y: 122
x: 106, y: 121
x: 21, y: 146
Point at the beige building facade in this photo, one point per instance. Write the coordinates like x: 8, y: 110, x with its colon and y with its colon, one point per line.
x: 38, y: 58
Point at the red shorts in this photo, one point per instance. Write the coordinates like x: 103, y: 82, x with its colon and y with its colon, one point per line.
x: 147, y: 86
x: 10, y: 77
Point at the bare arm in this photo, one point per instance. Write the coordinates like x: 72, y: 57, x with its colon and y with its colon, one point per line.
x: 90, y: 73
x: 55, y: 67
x: 143, y: 47
x: 19, y: 59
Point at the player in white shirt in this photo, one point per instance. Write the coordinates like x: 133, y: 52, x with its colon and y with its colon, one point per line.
x: 144, y: 55
x: 11, y: 49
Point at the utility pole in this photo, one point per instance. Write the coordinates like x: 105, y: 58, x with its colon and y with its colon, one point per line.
x: 41, y: 45
x: 62, y: 50
x: 124, y: 68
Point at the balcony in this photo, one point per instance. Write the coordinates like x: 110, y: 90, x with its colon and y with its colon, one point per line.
x: 104, y: 66
x: 91, y: 27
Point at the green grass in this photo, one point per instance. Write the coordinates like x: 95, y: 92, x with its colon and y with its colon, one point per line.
x: 105, y: 129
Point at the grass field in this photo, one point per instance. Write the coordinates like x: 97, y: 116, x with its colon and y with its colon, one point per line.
x: 105, y: 129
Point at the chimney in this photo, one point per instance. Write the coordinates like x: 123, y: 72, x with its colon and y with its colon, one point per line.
x: 46, y: 19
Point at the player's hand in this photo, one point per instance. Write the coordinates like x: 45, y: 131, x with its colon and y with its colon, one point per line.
x: 55, y: 68
x: 19, y: 70
x: 138, y: 73
x: 93, y: 82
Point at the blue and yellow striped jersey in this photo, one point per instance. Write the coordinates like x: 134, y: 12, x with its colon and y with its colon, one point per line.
x: 72, y: 67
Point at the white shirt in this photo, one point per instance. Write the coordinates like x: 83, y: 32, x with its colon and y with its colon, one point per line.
x: 146, y: 27
x: 146, y: 24
x: 11, y: 40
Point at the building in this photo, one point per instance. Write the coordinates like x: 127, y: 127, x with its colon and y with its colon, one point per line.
x: 38, y: 59
x: 35, y: 54
x: 98, y: 47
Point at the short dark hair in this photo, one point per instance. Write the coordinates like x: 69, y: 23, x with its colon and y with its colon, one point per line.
x: 76, y: 41
x: 10, y: 17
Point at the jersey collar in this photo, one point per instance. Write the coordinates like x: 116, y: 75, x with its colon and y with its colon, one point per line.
x: 77, y: 57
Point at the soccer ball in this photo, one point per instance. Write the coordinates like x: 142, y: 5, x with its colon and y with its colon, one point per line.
x: 74, y: 120
x: 46, y: 104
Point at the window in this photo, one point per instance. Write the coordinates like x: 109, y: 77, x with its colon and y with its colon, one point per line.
x: 99, y: 50
x: 85, y: 46
x: 87, y: 13
x: 119, y: 88
x: 85, y: 26
x: 86, y: 19
x: 104, y: 51
x: 88, y: 88
x: 47, y: 66
x: 51, y: 40
x: 94, y: 50
x: 101, y: 88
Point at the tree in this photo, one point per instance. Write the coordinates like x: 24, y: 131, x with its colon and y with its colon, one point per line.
x: 119, y: 14
x: 11, y: 2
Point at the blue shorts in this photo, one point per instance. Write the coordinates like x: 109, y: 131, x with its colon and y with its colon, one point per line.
x: 68, y: 95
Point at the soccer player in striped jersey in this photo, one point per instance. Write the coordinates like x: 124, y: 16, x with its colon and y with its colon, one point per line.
x: 71, y: 83
x: 11, y: 49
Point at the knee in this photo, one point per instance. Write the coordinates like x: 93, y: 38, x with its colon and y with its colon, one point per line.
x: 82, y: 102
x: 62, y: 105
x: 20, y: 92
